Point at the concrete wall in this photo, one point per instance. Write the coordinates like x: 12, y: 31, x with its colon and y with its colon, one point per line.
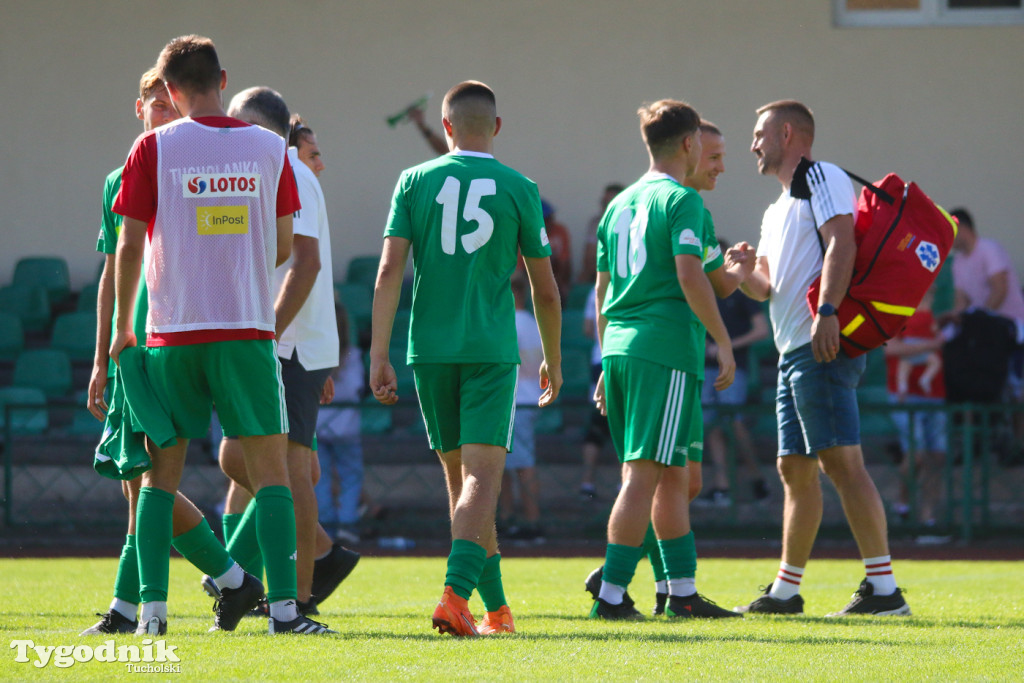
x: 939, y: 105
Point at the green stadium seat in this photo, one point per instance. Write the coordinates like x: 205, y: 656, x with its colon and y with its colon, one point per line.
x: 363, y: 269
x: 12, y: 337
x: 578, y: 295
x: 87, y: 298
x: 549, y: 421
x: 75, y: 333
x: 575, y: 372
x: 357, y: 298
x: 29, y: 302
x: 50, y: 272
x: 30, y: 417
x: 82, y: 421
x: 374, y: 418
x: 572, y: 331
x: 48, y: 370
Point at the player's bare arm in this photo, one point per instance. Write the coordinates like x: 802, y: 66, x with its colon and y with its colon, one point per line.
x: 298, y: 281
x: 95, y: 402
x: 284, y: 238
x: 547, y: 308
x: 383, y: 380
x: 130, y: 246
x: 758, y: 283
x: 840, y: 252
x: 701, y: 298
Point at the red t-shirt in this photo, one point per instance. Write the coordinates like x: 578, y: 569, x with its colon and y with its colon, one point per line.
x: 137, y: 199
x: 921, y: 325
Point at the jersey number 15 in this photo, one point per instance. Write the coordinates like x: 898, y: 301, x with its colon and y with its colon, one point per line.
x: 448, y: 198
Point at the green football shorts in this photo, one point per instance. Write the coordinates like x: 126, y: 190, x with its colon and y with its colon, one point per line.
x: 654, y: 411
x: 467, y: 403
x: 243, y: 379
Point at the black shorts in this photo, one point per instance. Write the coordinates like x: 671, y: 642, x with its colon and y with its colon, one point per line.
x: 302, y: 390
x: 597, y: 429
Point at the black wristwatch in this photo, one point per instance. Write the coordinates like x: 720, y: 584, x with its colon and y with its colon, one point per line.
x: 826, y: 309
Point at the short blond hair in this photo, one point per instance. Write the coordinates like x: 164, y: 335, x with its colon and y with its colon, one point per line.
x: 150, y: 83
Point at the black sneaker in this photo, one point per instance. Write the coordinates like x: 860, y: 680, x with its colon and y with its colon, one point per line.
x: 696, y: 606
x: 308, y: 608
x: 210, y: 586
x: 624, y: 611
x: 300, y: 625
x: 331, y: 570
x: 766, y: 604
x: 865, y: 601
x: 155, y: 626
x: 588, y: 494
x: 593, y: 582
x: 235, y: 603
x: 760, y: 490
x: 111, y: 622
x: 659, y: 604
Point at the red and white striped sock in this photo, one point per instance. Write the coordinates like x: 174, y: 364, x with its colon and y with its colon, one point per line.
x: 879, y: 573
x: 787, y: 582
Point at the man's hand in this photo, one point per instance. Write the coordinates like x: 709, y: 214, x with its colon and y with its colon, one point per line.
x: 599, y: 395
x: 825, y: 338
x: 741, y: 256
x: 97, y: 385
x: 327, y: 393
x: 726, y: 368
x: 121, y: 341
x: 383, y: 382
x: 550, y: 382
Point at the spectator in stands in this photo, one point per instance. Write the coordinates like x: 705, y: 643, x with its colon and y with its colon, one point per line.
x: 747, y: 325
x: 597, y: 435
x: 587, y: 272
x: 303, y: 139
x: 561, y: 249
x: 922, y: 433
x: 522, y: 460
x: 985, y: 278
x: 434, y: 140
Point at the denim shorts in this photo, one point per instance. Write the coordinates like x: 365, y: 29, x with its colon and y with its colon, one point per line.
x: 929, y: 426
x: 733, y: 395
x: 816, y: 403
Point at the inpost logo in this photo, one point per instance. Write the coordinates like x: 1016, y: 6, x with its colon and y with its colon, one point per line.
x: 222, y: 220
x: 220, y: 184
x: 149, y: 657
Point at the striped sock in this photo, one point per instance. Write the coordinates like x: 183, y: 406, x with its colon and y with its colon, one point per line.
x: 879, y: 572
x: 787, y: 582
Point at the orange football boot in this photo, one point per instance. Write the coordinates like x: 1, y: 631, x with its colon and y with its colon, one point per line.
x: 498, y: 622
x: 452, y: 615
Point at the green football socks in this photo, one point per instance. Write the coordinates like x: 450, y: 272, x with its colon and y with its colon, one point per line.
x: 491, y: 590
x: 680, y: 555
x: 126, y: 584
x: 201, y: 547
x: 275, y: 528
x: 620, y: 563
x: 653, y: 552
x: 153, y: 524
x: 243, y: 544
x: 465, y: 566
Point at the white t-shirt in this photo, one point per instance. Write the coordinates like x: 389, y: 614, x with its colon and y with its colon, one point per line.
x: 314, y: 331
x: 790, y: 243
x: 531, y: 355
x: 971, y: 274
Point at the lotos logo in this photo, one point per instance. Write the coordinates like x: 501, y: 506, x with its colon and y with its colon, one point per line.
x: 220, y: 185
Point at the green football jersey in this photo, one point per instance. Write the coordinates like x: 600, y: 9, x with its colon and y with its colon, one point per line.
x: 110, y: 229
x: 713, y: 260
x: 642, y: 231
x: 467, y: 216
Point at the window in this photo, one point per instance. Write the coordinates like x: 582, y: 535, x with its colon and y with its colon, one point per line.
x: 928, y: 12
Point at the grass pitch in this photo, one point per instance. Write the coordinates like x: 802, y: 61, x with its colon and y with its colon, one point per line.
x: 968, y: 624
